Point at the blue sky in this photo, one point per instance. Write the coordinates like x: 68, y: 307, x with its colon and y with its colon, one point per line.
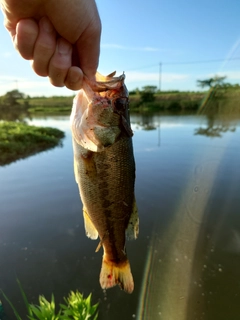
x: 137, y: 36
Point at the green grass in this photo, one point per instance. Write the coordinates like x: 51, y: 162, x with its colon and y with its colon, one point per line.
x: 50, y: 105
x: 50, y: 110
x: 50, y: 101
x: 185, y: 101
x: 19, y: 140
x: 167, y: 101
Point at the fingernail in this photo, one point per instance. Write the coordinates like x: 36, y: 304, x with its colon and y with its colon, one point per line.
x: 46, y: 24
x: 75, y: 77
x: 63, y: 46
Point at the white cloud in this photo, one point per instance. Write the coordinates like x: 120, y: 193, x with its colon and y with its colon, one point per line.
x: 41, y: 87
x: 173, y: 77
x: 4, y: 79
x: 121, y: 47
x: 231, y: 75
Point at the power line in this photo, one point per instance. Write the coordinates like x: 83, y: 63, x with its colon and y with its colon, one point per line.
x: 201, y: 61
x: 184, y: 63
x: 144, y: 67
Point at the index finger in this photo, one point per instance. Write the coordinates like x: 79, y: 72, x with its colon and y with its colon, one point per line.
x: 87, y: 49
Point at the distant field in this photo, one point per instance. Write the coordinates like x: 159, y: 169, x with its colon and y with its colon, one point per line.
x: 49, y: 105
x: 164, y: 100
x: 184, y: 100
x: 51, y: 101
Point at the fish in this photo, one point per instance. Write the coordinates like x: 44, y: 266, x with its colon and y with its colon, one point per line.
x: 104, y: 168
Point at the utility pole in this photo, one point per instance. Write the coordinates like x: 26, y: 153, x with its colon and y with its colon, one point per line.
x: 160, y: 76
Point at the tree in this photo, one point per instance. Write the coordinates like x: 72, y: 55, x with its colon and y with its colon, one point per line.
x: 11, y: 97
x: 218, y: 81
x: 205, y: 83
x: 147, y: 94
x: 211, y: 82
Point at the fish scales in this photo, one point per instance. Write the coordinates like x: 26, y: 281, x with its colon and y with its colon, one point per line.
x: 105, y: 172
x: 111, y: 170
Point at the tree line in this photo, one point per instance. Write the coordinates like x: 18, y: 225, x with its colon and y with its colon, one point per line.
x: 147, y: 93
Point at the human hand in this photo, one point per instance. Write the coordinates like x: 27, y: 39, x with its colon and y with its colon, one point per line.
x: 61, y: 37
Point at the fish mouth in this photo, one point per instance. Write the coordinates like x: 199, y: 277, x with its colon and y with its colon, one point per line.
x: 105, y: 83
x: 100, y: 112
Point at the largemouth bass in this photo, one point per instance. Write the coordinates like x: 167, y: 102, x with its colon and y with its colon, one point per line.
x: 104, y: 169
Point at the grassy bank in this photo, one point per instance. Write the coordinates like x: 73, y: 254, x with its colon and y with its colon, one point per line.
x: 184, y: 101
x: 18, y: 140
x: 167, y: 102
x: 162, y: 101
x: 50, y: 110
x: 49, y: 105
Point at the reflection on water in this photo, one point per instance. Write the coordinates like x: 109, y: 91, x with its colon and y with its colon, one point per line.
x: 218, y: 123
x: 186, y: 261
x: 189, y: 273
x: 16, y: 113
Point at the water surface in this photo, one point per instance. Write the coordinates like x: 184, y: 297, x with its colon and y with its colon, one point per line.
x: 185, y: 262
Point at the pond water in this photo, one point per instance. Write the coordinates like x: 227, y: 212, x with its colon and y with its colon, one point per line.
x: 186, y: 260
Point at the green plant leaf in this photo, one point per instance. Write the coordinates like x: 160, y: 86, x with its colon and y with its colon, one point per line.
x: 12, y: 306
x: 79, y: 308
x: 24, y: 297
x: 74, y: 308
x: 35, y: 310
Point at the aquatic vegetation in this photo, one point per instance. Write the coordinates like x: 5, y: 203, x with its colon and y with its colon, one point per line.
x: 19, y: 140
x: 76, y: 307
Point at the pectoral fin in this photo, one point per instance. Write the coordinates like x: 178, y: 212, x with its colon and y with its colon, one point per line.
x: 90, y: 229
x: 133, y: 224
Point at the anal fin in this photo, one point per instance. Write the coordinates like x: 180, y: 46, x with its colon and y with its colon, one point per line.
x: 133, y: 224
x: 91, y: 231
x: 101, y: 242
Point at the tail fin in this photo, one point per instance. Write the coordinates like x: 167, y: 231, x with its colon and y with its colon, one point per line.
x: 113, y: 273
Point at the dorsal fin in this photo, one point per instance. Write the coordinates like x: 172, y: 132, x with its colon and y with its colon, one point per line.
x: 133, y: 224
